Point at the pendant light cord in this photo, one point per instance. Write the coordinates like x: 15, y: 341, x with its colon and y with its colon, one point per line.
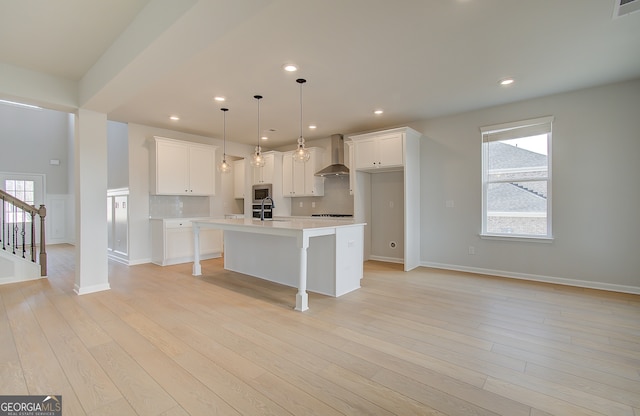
x: 224, y: 133
x: 258, y: 97
x: 300, y: 81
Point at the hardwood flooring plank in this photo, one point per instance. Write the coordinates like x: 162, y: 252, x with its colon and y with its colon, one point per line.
x: 42, y: 372
x: 431, y: 397
x: 165, y: 377
x: 93, y: 387
x: 587, y: 386
x: 237, y: 393
x: 427, y: 341
x: 538, y: 400
x: 144, y: 394
x: 120, y: 407
x: 12, y: 379
x: 380, y: 395
x: 82, y: 324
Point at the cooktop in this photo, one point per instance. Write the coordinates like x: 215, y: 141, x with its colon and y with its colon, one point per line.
x: 331, y: 215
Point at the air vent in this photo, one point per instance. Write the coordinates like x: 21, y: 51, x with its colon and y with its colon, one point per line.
x: 623, y: 7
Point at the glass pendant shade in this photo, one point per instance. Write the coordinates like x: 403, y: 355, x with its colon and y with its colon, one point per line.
x: 301, y: 154
x: 224, y: 166
x: 257, y: 160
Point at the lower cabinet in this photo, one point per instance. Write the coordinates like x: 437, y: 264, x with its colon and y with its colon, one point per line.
x: 172, y: 241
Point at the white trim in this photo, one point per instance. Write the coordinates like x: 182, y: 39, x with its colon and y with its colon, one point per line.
x: 90, y: 289
x: 138, y: 262
x: 517, y: 237
x: 516, y: 124
x: 386, y: 259
x: 517, y: 214
x: 538, y: 278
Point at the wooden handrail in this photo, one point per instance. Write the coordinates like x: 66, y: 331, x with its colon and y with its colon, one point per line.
x: 18, y: 203
x: 32, y: 211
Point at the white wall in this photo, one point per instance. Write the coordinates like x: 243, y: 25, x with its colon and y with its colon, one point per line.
x: 596, y: 197
x: 140, y: 140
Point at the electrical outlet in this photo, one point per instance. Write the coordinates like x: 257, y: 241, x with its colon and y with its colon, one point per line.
x: 472, y: 250
x: 449, y: 203
x: 313, y: 204
x: 300, y: 204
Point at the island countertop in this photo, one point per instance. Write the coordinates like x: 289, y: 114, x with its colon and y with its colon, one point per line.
x: 297, y: 224
x: 265, y: 249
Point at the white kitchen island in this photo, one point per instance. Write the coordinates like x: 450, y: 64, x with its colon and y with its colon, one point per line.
x: 321, y: 256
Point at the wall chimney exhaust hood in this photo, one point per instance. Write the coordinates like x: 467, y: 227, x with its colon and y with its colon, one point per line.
x: 337, y: 167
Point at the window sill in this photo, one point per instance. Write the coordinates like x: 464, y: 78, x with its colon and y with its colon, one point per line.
x: 520, y: 238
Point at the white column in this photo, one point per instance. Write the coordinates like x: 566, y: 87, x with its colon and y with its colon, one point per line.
x: 302, y: 298
x: 92, y: 273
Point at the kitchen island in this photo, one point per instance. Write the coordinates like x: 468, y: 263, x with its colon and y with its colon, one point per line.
x: 321, y: 256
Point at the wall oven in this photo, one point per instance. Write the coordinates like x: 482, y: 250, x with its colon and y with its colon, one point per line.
x: 260, y: 192
x: 268, y: 211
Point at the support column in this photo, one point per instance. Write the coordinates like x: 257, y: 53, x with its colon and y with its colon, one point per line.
x: 92, y: 272
x: 302, y: 297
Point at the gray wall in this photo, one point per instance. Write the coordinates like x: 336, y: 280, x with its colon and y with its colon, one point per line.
x: 596, y: 197
x: 30, y: 139
x: 117, y: 155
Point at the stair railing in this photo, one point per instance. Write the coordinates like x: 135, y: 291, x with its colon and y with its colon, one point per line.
x: 14, y: 237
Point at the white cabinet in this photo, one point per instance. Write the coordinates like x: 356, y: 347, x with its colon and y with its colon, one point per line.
x: 265, y: 173
x: 298, y: 179
x: 238, y: 179
x: 172, y: 242
x: 383, y: 151
x: 383, y: 158
x: 182, y: 168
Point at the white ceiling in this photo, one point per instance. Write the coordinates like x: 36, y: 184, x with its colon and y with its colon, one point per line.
x: 140, y: 61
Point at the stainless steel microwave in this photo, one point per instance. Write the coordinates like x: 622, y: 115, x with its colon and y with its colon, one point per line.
x: 261, y: 191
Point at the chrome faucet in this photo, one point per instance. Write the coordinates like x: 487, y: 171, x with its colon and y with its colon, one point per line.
x: 273, y: 205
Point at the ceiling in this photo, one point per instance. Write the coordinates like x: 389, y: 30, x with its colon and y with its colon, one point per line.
x: 141, y: 61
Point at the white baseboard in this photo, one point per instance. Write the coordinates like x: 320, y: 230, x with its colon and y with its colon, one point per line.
x: 90, y: 289
x: 537, y: 278
x: 386, y: 259
x: 138, y: 261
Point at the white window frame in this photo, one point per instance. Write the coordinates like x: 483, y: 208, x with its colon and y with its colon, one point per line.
x: 507, y: 131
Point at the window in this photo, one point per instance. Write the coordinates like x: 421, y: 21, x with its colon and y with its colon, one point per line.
x: 516, y: 179
x: 23, y: 190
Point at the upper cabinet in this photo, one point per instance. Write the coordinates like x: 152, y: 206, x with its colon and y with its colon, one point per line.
x: 387, y: 154
x: 379, y: 151
x: 265, y: 173
x: 298, y: 179
x: 182, y: 168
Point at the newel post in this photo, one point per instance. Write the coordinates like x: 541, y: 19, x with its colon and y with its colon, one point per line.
x: 42, y: 212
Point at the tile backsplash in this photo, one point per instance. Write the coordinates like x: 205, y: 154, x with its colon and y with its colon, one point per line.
x: 336, y: 199
x: 165, y: 206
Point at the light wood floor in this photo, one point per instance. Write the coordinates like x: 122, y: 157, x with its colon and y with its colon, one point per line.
x: 426, y: 342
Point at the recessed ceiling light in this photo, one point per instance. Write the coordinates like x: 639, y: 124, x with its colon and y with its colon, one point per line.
x: 219, y: 98
x: 378, y: 112
x: 174, y: 118
x: 313, y: 126
x: 264, y: 138
x: 507, y: 81
x: 290, y: 67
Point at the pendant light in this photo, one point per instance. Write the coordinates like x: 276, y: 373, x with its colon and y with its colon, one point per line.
x: 301, y: 154
x: 224, y: 167
x: 257, y: 160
